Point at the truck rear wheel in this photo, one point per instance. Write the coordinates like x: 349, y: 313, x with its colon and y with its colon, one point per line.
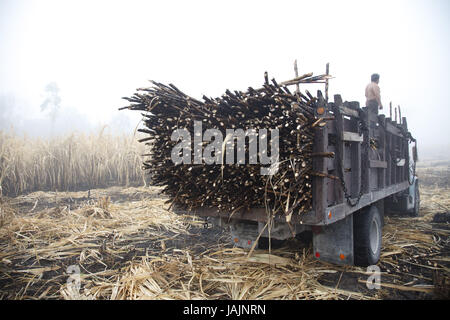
x: 367, y: 231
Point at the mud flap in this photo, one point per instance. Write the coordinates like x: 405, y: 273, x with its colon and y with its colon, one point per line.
x: 334, y: 243
x: 243, y: 235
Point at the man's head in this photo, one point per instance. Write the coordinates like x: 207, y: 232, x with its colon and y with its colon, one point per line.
x: 375, y: 77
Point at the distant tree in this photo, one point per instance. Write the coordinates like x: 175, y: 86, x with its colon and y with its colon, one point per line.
x: 52, y: 102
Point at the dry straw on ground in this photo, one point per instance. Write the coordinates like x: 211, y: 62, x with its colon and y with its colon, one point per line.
x: 129, y: 246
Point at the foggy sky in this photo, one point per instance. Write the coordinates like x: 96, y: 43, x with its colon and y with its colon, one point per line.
x: 98, y: 51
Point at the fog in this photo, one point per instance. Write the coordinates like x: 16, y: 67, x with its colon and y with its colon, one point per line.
x: 64, y: 65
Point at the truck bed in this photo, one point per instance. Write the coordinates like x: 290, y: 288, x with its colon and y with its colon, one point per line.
x: 373, y: 152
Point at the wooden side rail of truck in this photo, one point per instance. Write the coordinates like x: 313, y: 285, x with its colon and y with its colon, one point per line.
x: 372, y: 163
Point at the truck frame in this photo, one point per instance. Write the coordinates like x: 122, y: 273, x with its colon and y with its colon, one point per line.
x: 370, y: 170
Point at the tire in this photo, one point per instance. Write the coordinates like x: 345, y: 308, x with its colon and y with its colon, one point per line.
x: 367, y: 232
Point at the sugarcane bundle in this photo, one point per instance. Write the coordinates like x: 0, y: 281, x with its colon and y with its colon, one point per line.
x: 228, y: 185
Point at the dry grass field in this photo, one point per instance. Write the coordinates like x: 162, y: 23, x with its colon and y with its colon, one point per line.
x: 127, y: 244
x: 71, y: 162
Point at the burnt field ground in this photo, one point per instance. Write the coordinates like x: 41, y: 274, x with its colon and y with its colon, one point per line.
x: 128, y: 245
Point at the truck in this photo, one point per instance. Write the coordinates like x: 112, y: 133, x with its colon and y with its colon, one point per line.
x: 371, y: 169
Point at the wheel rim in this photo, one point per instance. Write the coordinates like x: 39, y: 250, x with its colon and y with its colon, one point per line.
x: 374, y: 236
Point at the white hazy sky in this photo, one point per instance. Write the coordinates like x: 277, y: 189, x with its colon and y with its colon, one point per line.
x: 98, y: 51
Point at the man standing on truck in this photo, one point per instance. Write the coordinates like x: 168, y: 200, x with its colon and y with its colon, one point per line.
x: 373, y: 98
